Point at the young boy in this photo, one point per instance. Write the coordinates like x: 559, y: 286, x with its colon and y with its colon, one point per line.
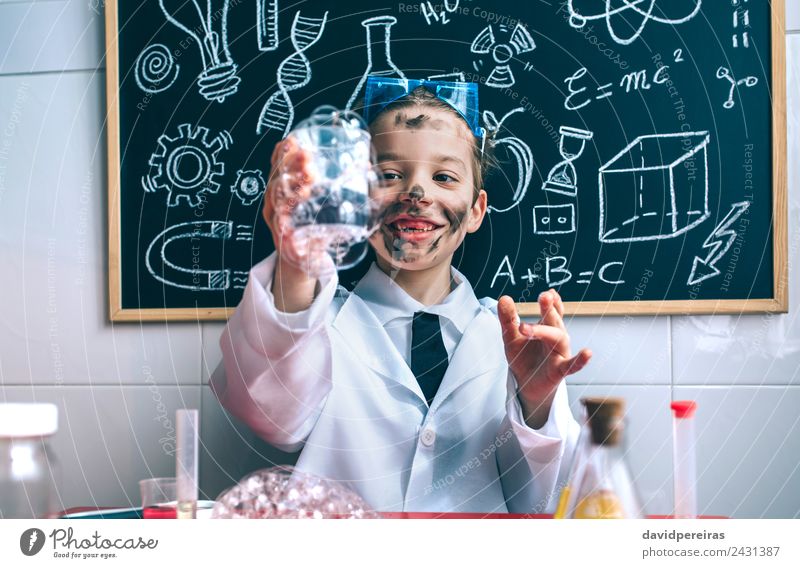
x: 410, y: 389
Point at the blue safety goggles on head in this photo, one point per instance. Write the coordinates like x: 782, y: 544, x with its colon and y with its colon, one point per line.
x: 463, y: 97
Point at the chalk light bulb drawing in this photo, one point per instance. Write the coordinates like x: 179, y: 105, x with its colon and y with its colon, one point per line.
x: 197, y: 18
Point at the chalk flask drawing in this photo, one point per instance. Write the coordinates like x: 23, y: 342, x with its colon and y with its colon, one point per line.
x: 379, y: 57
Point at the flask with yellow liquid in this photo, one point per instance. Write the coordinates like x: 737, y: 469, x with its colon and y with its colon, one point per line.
x: 600, y: 485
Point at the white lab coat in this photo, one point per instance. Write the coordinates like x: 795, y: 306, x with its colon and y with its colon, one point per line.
x: 331, y: 382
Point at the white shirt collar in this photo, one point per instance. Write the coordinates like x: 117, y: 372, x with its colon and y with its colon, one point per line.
x: 389, y: 301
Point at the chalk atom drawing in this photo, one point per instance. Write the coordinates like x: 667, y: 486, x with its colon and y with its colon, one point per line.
x: 207, y: 23
x: 187, y: 165
x: 626, y: 14
x: 249, y: 186
x: 654, y: 188
x: 518, y: 149
x: 294, y: 72
x: 156, y: 69
x: 718, y: 243
x: 513, y: 43
x: 267, y: 24
x: 191, y: 236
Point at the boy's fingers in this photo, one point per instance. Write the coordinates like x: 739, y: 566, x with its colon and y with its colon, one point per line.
x: 547, y: 307
x: 555, y: 338
x: 576, y: 363
x: 507, y: 314
x: 558, y: 303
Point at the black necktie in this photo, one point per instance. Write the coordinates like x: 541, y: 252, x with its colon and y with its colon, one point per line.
x: 428, y: 355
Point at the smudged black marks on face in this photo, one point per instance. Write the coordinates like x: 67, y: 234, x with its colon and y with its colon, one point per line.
x: 418, y: 121
x: 455, y: 218
x: 435, y: 244
x: 417, y: 192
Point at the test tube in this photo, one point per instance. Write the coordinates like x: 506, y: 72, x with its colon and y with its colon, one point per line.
x: 186, y: 463
x: 684, y: 461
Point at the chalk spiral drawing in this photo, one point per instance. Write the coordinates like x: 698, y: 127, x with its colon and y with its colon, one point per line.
x: 518, y: 149
x: 267, y: 24
x: 379, y: 31
x: 293, y: 73
x: 191, y: 235
x: 654, y: 188
x: 156, y: 69
x: 218, y: 80
x: 186, y: 165
x: 718, y: 242
x: 724, y: 73
x: 578, y: 17
x: 249, y: 186
x: 518, y: 41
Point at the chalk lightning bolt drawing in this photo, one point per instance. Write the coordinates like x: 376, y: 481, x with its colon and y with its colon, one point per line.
x: 192, y: 235
x: 718, y: 242
x: 218, y: 80
x: 267, y: 24
x: 579, y: 16
x: 294, y: 72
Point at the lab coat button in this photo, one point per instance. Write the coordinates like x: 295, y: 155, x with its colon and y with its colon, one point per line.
x: 428, y: 437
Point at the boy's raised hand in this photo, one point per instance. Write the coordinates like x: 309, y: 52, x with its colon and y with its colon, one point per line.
x: 538, y: 354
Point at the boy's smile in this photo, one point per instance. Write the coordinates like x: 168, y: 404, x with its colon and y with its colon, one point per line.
x: 429, y: 200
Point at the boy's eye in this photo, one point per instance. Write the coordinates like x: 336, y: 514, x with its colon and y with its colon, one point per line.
x: 444, y: 178
x: 390, y: 176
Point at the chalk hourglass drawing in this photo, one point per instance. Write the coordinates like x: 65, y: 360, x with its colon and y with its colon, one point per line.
x: 562, y: 177
x: 218, y: 80
x: 294, y: 72
x: 379, y: 57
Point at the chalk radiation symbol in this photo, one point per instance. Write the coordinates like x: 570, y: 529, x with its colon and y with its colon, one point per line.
x: 187, y: 165
x: 503, y: 48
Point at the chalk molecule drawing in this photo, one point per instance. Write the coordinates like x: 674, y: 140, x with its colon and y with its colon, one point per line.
x: 718, y: 242
x: 191, y: 236
x: 187, y: 165
x: 155, y: 69
x: 293, y: 73
x: 379, y: 55
x: 518, y: 149
x: 267, y: 24
x: 554, y: 219
x: 654, y: 188
x: 249, y: 186
x: 515, y: 42
x: 626, y: 10
x: 724, y: 73
x: 218, y: 80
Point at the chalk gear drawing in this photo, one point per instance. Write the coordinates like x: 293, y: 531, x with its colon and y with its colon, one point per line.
x: 249, y: 186
x: 187, y: 165
x: 518, y: 41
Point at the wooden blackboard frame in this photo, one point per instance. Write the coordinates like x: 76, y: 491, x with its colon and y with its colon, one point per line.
x: 779, y: 303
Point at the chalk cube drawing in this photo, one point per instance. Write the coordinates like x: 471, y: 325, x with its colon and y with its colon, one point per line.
x: 655, y: 188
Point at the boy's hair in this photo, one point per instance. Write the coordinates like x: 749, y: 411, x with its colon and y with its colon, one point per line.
x: 482, y: 161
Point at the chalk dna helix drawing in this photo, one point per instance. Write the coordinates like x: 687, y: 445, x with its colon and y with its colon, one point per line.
x: 155, y: 69
x: 207, y: 23
x: 654, y: 188
x: 191, y: 236
x: 583, y: 11
x: 379, y: 56
x: 267, y: 24
x: 293, y: 73
x: 514, y: 43
x: 187, y: 165
x: 518, y: 149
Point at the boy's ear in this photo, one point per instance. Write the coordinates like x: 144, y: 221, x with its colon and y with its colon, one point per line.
x: 477, y: 212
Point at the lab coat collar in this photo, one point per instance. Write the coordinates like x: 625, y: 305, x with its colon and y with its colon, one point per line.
x: 389, y: 301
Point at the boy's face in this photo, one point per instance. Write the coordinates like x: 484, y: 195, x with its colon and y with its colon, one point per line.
x: 425, y: 157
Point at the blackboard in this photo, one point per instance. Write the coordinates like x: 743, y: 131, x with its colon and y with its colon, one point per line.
x: 642, y: 143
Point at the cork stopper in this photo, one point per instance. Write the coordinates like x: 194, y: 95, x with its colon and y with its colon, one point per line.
x: 605, y: 419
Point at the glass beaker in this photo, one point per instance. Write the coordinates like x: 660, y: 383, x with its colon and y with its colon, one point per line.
x: 379, y: 57
x: 339, y: 214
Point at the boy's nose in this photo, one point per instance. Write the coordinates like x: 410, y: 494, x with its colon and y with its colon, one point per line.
x: 415, y: 192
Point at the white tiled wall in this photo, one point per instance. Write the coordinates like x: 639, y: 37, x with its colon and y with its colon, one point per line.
x: 118, y: 386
